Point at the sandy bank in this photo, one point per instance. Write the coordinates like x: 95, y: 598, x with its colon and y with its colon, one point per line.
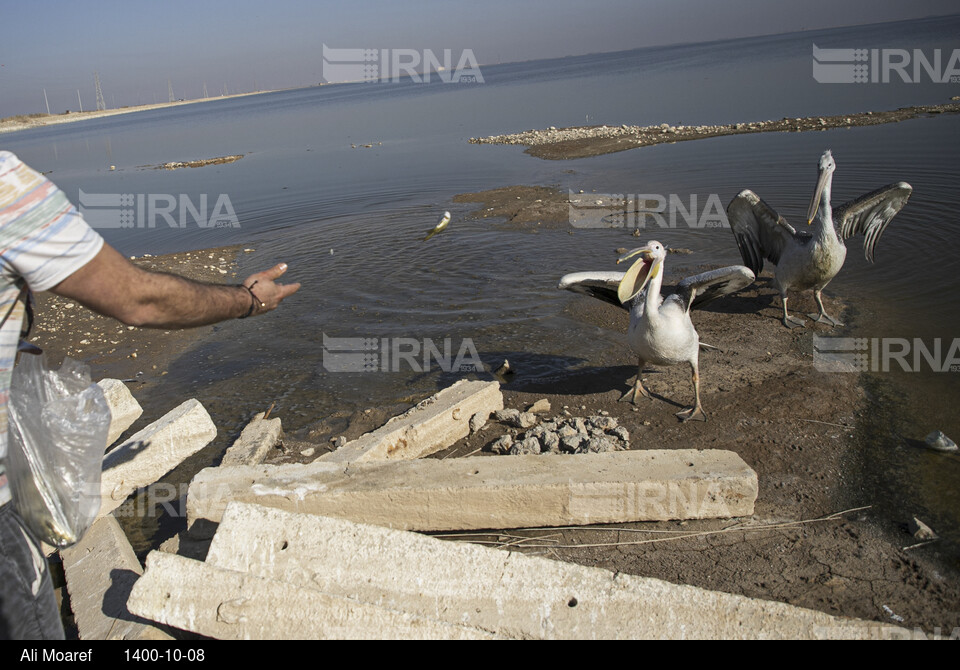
x: 797, y: 427
x: 582, y: 141
x: 25, y: 122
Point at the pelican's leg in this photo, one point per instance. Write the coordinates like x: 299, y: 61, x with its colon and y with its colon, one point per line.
x: 789, y: 321
x: 695, y: 412
x: 631, y: 395
x: 822, y: 317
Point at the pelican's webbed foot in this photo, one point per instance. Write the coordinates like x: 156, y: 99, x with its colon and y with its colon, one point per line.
x: 825, y: 318
x: 790, y: 321
x: 694, y: 413
x: 822, y: 317
x: 631, y: 395
x: 793, y: 322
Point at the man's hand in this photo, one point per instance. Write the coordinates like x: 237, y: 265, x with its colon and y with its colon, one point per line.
x: 111, y: 285
x: 268, y: 292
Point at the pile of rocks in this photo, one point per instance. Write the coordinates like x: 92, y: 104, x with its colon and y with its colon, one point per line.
x: 664, y: 132
x: 560, y: 435
x: 552, y: 135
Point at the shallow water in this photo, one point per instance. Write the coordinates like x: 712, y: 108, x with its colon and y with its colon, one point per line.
x: 349, y: 221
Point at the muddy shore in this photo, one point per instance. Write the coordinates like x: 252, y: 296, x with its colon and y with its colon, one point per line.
x: 583, y: 141
x: 798, y: 428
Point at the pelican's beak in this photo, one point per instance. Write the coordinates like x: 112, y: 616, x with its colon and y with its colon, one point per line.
x: 815, y: 201
x: 643, y: 269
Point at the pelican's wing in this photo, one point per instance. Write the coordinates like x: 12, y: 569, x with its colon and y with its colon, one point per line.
x: 705, y: 287
x: 870, y: 214
x: 601, y: 285
x: 761, y: 233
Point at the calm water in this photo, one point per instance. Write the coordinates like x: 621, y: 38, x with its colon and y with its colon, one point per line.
x: 349, y: 221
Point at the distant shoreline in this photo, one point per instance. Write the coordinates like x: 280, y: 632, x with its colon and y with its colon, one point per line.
x: 13, y: 124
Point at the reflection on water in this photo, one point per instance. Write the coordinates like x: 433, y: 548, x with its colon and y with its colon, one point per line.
x: 349, y: 221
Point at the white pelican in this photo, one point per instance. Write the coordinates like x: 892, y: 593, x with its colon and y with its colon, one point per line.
x: 441, y: 225
x: 809, y: 259
x: 661, y: 331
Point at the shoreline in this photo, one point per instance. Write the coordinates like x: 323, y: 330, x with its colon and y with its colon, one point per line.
x: 758, y: 392
x: 584, y: 141
x: 8, y: 125
x: 801, y: 430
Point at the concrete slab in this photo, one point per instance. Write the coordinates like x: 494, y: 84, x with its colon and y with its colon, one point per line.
x: 255, y: 442
x: 153, y: 452
x: 182, y: 544
x: 492, y: 492
x: 432, y: 425
x: 124, y: 408
x: 230, y: 605
x: 100, y: 571
x: 508, y: 594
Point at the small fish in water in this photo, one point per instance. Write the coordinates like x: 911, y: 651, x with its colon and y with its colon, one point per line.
x: 441, y: 225
x: 940, y: 442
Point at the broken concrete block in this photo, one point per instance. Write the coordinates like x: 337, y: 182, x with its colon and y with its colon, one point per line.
x: 255, y: 442
x: 100, y: 571
x: 153, y: 452
x: 478, y: 421
x: 182, y: 544
x: 124, y: 408
x: 432, y: 425
x: 502, y: 444
x: 508, y: 594
x: 230, y: 605
x: 516, y: 418
x: 539, y: 407
x: 477, y: 493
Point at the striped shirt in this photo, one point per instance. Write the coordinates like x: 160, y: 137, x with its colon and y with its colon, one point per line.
x: 43, y: 240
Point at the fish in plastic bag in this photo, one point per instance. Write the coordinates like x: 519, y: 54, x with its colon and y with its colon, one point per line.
x: 57, y: 435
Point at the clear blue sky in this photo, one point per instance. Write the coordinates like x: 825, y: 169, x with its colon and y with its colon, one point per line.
x: 136, y: 46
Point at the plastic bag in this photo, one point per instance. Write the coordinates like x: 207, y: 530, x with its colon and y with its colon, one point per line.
x: 58, y: 423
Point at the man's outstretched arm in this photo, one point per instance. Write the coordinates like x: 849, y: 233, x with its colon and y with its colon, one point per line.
x: 111, y: 285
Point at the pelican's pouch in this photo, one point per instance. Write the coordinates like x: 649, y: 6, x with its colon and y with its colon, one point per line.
x: 57, y: 434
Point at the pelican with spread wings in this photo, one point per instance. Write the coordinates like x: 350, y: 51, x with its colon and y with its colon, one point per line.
x: 661, y: 332
x: 810, y: 258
